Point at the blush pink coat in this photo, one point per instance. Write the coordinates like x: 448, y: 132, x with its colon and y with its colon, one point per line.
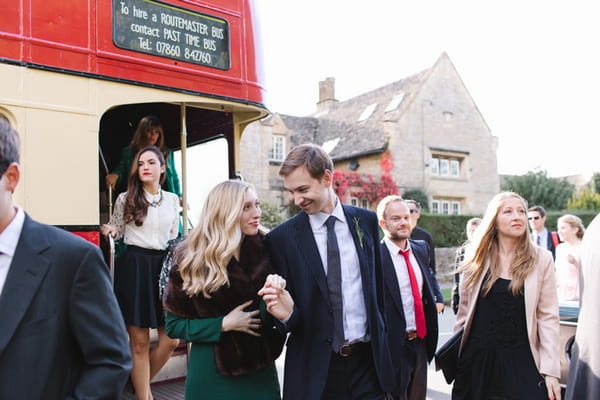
x: 541, y: 312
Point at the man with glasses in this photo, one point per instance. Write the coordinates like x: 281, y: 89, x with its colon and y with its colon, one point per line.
x: 540, y: 235
x: 418, y: 233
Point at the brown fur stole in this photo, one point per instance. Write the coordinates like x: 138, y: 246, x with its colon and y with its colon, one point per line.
x: 236, y: 353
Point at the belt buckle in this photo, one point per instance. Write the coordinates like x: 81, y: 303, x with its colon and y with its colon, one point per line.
x: 411, y: 335
x: 345, y: 350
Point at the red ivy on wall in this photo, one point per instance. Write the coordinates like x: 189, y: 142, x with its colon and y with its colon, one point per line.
x: 365, y: 186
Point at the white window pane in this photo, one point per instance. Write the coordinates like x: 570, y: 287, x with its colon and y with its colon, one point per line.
x: 454, y: 168
x: 444, y: 167
x: 435, y: 166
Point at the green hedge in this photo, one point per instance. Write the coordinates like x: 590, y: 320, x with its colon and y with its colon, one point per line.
x: 449, y: 230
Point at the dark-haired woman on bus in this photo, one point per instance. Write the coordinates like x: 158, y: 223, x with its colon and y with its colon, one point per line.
x: 147, y: 217
x: 149, y: 132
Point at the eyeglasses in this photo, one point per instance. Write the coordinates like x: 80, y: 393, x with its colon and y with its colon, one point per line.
x: 536, y: 218
x: 414, y: 211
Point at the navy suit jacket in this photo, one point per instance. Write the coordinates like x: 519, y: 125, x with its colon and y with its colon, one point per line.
x: 295, y: 255
x: 394, y: 312
x: 62, y: 335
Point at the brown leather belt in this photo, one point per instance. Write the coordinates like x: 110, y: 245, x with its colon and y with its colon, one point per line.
x: 349, y: 349
x: 411, y: 335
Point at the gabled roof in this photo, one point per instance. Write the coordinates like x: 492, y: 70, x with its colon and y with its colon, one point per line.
x: 353, y: 140
x: 384, y: 98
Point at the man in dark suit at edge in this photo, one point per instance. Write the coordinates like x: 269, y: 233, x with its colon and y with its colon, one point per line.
x: 337, y: 348
x: 411, y: 313
x: 62, y: 335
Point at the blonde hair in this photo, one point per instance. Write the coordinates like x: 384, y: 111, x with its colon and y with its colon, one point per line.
x: 211, y: 244
x: 485, y: 250
x: 575, y: 222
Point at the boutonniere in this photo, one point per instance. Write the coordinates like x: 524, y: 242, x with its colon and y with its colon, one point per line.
x: 358, y: 231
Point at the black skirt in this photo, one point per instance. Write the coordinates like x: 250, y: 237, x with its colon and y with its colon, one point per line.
x: 136, y: 286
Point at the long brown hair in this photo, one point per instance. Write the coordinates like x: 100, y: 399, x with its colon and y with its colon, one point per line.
x: 136, y: 205
x: 484, y: 250
x: 139, y: 140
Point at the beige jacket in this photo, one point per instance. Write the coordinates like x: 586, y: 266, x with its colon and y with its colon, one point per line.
x: 541, y: 311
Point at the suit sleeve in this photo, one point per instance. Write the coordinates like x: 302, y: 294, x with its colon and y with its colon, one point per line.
x: 281, y: 267
x: 98, y: 330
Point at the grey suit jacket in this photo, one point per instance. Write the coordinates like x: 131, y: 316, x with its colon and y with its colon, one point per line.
x: 62, y: 335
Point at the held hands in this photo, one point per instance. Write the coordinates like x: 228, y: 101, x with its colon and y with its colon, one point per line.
x: 242, y: 321
x: 553, y: 388
x: 278, y: 300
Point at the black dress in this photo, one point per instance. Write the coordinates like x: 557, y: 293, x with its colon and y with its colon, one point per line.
x: 496, y: 363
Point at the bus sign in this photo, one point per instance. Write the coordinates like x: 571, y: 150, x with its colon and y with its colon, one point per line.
x: 166, y: 31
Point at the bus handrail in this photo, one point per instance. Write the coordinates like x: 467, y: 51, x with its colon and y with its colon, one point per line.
x: 111, y: 258
x: 110, y: 190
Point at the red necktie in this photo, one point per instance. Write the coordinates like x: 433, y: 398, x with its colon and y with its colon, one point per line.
x: 419, y: 312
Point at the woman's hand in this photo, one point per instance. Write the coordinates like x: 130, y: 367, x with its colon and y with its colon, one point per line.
x: 111, y: 180
x: 278, y: 300
x: 107, y: 229
x: 553, y: 388
x: 242, y: 321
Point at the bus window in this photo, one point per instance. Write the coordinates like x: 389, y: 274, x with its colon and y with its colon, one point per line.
x: 207, y: 165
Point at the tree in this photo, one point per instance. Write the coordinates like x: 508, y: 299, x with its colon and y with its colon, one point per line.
x: 271, y: 215
x: 418, y: 195
x: 537, y: 188
x: 586, y: 200
x: 595, y: 183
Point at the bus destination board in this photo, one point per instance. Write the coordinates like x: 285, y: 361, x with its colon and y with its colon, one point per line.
x: 167, y: 31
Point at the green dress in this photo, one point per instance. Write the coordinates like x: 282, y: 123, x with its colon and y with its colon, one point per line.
x: 203, y: 379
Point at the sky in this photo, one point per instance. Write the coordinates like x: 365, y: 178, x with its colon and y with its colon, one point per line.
x: 532, y: 67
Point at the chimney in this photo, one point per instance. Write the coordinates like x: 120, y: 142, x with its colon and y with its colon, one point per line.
x: 327, y: 98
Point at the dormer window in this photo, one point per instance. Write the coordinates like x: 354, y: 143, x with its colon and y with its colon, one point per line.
x: 367, y: 112
x: 395, y: 102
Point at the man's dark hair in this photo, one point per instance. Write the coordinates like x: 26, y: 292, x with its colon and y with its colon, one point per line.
x: 9, y: 145
x: 539, y: 209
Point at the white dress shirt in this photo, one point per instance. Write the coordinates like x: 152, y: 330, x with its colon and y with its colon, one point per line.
x: 408, y: 304
x: 9, y: 238
x: 543, y: 235
x: 353, y: 302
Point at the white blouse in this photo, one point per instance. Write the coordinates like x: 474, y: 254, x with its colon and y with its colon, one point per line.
x: 160, y: 225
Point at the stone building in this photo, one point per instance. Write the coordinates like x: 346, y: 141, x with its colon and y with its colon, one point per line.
x: 427, y: 125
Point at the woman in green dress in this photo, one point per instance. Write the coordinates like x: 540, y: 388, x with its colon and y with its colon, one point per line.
x: 149, y: 132
x: 212, y: 300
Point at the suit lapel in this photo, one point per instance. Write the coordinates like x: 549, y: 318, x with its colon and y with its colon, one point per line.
x: 27, y: 271
x: 307, y: 248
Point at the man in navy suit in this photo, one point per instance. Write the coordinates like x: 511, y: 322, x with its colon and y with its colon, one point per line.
x: 539, y: 234
x: 315, y: 367
x: 411, y: 313
x: 62, y: 335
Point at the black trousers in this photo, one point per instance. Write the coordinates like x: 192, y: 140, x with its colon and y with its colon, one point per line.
x: 353, y: 377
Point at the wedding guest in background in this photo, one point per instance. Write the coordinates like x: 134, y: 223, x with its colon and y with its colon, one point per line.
x: 472, y: 224
x: 510, y: 348
x: 540, y: 235
x: 411, y: 314
x: 212, y: 300
x: 147, y: 217
x: 418, y: 233
x: 149, y: 132
x: 568, y: 263
x: 584, y: 370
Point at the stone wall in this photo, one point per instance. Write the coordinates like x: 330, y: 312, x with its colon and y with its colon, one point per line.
x: 444, y: 261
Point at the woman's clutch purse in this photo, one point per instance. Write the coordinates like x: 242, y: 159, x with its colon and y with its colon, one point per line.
x: 446, y: 357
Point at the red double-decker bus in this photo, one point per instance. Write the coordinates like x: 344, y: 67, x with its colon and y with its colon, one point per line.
x: 78, y: 75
